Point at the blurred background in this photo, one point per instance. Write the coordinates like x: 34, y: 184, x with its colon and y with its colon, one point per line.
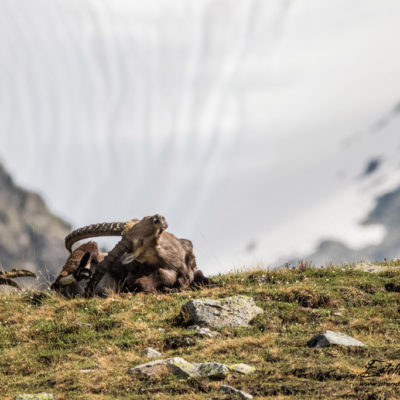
x: 265, y: 131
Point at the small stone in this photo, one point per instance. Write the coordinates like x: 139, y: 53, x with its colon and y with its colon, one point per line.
x: 239, y: 393
x: 37, y: 396
x: 151, y: 353
x: 212, y: 370
x: 337, y: 314
x: 242, y: 368
x: 330, y: 338
x: 85, y: 371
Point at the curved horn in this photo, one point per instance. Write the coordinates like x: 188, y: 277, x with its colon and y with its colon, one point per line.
x: 94, y: 230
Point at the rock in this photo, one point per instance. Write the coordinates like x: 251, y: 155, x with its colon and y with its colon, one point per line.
x: 212, y: 370
x: 239, y: 393
x: 153, y: 368
x: 85, y: 371
x: 242, y: 368
x: 151, y: 353
x: 330, y: 338
x: 232, y: 311
x: 38, y: 396
x: 176, y: 365
x: 180, y: 367
x: 203, y: 332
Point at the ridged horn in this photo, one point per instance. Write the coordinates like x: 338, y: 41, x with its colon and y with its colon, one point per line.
x: 94, y: 230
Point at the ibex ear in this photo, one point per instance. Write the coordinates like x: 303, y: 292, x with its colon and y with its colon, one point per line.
x: 83, y: 271
x: 84, y: 260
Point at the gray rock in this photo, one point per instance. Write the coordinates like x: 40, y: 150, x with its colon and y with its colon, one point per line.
x: 242, y: 368
x: 153, y: 368
x: 330, y: 338
x: 212, y: 370
x: 151, y: 353
x: 180, y: 367
x: 176, y: 365
x: 238, y: 393
x: 232, y: 311
x: 37, y: 396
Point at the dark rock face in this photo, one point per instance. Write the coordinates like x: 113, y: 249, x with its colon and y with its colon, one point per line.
x: 30, y: 236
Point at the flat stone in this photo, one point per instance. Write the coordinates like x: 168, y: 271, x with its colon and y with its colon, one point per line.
x: 153, y: 368
x: 330, y: 338
x: 231, y: 311
x: 151, y: 353
x: 242, y: 368
x: 212, y: 370
x: 177, y: 365
x: 37, y: 396
x: 238, y: 393
x: 180, y: 367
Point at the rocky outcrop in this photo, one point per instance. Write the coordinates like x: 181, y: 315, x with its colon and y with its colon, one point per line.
x: 231, y: 311
x: 31, y: 237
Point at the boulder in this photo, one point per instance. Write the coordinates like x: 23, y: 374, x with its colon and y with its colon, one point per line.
x: 231, y: 311
x: 332, y: 338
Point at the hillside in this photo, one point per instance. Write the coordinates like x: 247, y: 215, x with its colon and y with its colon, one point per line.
x: 31, y: 237
x: 83, y: 349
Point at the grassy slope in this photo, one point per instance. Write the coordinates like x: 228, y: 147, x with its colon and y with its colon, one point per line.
x: 43, y: 348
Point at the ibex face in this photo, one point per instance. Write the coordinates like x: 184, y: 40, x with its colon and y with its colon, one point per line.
x: 144, y: 236
x: 152, y: 226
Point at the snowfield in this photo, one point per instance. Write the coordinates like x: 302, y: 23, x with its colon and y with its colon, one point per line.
x: 249, y: 124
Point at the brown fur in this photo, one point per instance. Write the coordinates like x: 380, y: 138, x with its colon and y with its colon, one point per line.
x: 172, y: 265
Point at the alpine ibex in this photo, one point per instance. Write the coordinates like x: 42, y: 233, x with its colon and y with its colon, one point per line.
x: 147, y: 258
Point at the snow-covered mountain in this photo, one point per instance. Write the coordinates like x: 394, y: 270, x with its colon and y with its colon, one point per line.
x: 249, y: 124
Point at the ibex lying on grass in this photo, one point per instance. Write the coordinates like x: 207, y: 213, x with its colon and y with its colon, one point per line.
x: 146, y: 259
